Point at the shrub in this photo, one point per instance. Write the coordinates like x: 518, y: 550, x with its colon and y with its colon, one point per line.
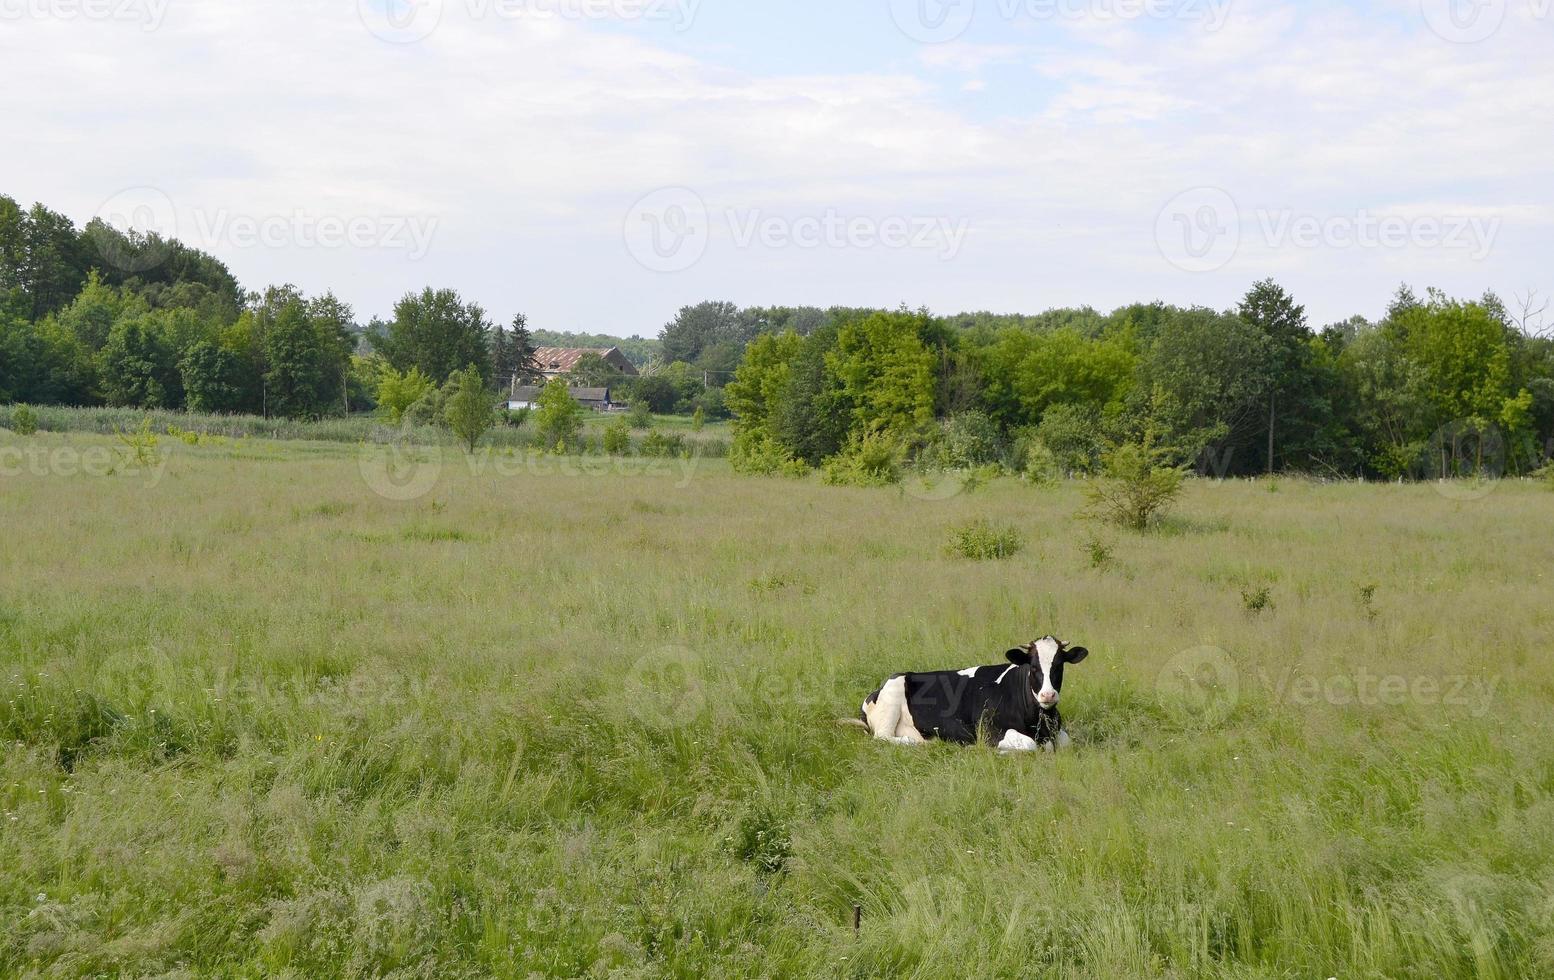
x: 518, y: 417
x: 1137, y: 486
x: 663, y: 446
x: 698, y: 419
x: 641, y: 414
x: 1074, y: 434
x: 617, y: 438
x: 760, y: 455
x: 872, y: 459
x: 1546, y: 474
x: 1039, y: 463
x: 24, y: 421
x: 964, y: 441
x: 559, y: 417
x: 471, y: 408
x: 1256, y: 600
x: 397, y: 392
x: 1100, y: 553
x: 982, y: 540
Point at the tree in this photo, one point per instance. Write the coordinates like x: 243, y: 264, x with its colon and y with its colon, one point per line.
x: 305, y: 364
x: 593, y: 371
x: 438, y: 333
x: 512, y: 352
x: 1271, y: 310
x: 471, y: 409
x: 1201, y: 383
x: 1026, y: 373
x: 137, y: 365
x: 559, y: 417
x: 211, y: 378
x: 697, y: 328
x: 886, y: 371
x: 397, y: 392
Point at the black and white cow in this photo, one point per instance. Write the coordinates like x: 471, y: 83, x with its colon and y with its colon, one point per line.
x: 1013, y: 705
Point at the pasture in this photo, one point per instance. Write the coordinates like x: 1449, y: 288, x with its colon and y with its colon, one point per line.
x: 579, y: 720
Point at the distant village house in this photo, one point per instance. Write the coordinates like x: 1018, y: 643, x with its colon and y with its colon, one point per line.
x: 559, y: 362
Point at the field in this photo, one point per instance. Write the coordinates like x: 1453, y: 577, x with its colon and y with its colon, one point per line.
x: 568, y: 719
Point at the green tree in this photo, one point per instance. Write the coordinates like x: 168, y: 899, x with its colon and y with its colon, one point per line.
x: 1288, y: 354
x: 438, y: 333
x: 138, y: 366
x: 886, y: 371
x: 1026, y: 373
x: 299, y: 356
x: 471, y: 408
x: 397, y: 391
x: 212, y: 379
x: 559, y: 418
x: 1201, y: 384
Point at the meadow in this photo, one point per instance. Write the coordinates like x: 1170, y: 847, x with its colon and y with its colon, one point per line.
x: 550, y: 718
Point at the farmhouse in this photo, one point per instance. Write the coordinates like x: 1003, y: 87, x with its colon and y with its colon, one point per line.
x: 528, y: 396
x: 557, y: 361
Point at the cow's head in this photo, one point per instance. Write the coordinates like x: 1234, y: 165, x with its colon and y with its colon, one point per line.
x: 1046, y: 658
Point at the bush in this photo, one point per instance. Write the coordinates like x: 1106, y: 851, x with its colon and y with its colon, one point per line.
x: 982, y: 540
x: 663, y: 446
x: 24, y: 421
x: 964, y: 441
x: 1075, y: 436
x: 617, y: 438
x: 1137, y: 487
x: 396, y: 392
x: 761, y: 455
x: 641, y: 414
x: 1546, y: 475
x: 559, y: 418
x: 870, y: 460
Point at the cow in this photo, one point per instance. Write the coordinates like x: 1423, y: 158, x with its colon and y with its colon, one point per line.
x: 1013, y: 706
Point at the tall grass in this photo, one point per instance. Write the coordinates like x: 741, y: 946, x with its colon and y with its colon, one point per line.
x: 259, y: 721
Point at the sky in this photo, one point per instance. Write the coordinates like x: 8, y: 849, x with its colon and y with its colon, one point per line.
x: 597, y: 164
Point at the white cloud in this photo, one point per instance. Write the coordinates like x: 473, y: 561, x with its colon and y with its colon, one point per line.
x: 529, y: 141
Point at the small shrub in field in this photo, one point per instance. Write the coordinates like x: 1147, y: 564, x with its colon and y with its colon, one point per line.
x: 762, y: 839
x: 761, y: 455
x: 1368, y: 602
x: 1099, y: 553
x: 1257, y: 600
x: 518, y: 417
x: 641, y: 415
x: 24, y: 421
x: 663, y: 446
x: 871, y: 460
x: 1137, y: 488
x: 1039, y: 463
x: 140, y: 442
x: 1546, y: 475
x: 698, y: 419
x: 617, y: 438
x: 397, y: 392
x: 982, y: 540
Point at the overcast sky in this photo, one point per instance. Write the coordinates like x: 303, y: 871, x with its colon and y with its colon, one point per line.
x: 599, y: 163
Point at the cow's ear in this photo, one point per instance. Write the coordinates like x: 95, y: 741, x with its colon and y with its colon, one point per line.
x: 1075, y: 654
x: 1019, y: 655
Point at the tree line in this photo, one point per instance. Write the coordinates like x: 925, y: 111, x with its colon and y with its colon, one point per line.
x: 97, y: 316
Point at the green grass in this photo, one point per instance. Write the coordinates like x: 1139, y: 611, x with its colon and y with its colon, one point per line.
x: 259, y: 721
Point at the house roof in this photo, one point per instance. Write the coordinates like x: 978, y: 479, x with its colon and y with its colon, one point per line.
x: 561, y: 360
